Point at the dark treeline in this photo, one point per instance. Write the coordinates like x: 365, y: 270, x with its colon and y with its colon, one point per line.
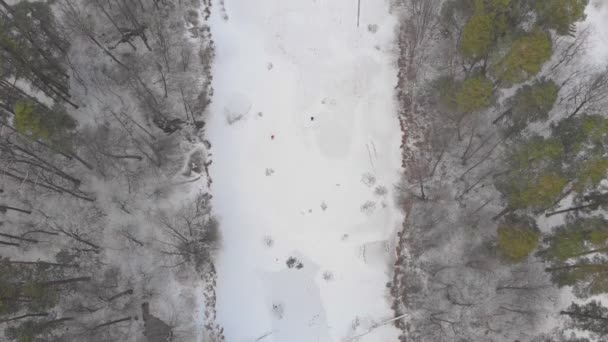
x: 102, y: 109
x: 506, y: 128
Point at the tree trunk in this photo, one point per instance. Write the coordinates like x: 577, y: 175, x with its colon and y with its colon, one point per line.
x: 126, y: 156
x: 112, y: 20
x: 18, y: 238
x: 39, y: 142
x: 483, y: 159
x: 49, y: 166
x: 96, y: 42
x: 162, y: 76
x: 78, y: 238
x: 505, y: 113
x: 559, y: 199
x: 503, y: 212
x: 597, y: 250
x: 54, y: 89
x: 6, y: 207
x: 466, y: 191
x: 41, y: 231
x: 9, y: 244
x: 57, y: 321
x: 65, y: 281
x: 118, y: 295
x: 422, y: 194
x: 53, y: 187
x: 181, y: 91
x: 519, y: 288
x: 41, y: 263
x: 75, y: 156
x: 522, y: 312
x: 601, y: 267
x: 112, y: 322
x: 482, y: 206
x: 43, y: 53
x: 577, y: 208
x: 132, y: 238
x: 466, y: 151
x: 437, y: 161
x: 41, y: 314
x: 578, y: 108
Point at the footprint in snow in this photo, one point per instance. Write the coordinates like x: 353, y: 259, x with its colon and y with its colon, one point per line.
x: 277, y: 310
x: 313, y: 320
x: 368, y: 179
x: 328, y: 101
x: 268, y: 241
x: 380, y: 190
x: 368, y: 207
x: 294, y: 263
x: 307, y: 211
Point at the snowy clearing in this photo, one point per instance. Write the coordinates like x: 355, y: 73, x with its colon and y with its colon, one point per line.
x: 597, y: 18
x: 305, y: 142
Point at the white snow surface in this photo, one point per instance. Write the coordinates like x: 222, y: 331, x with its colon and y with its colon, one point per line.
x: 279, y: 63
x: 597, y: 18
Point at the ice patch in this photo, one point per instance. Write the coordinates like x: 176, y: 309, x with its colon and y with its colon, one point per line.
x: 237, y: 108
x: 295, y: 301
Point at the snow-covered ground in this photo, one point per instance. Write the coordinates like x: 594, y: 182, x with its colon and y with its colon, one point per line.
x: 597, y: 18
x: 308, y: 217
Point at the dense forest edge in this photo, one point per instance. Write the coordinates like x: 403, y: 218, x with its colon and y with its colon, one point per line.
x: 106, y: 228
x: 505, y: 141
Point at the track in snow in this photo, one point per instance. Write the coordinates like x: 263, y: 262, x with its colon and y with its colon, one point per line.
x: 307, y: 216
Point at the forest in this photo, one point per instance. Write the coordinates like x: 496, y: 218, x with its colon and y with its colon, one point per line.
x: 102, y: 114
x: 505, y: 237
